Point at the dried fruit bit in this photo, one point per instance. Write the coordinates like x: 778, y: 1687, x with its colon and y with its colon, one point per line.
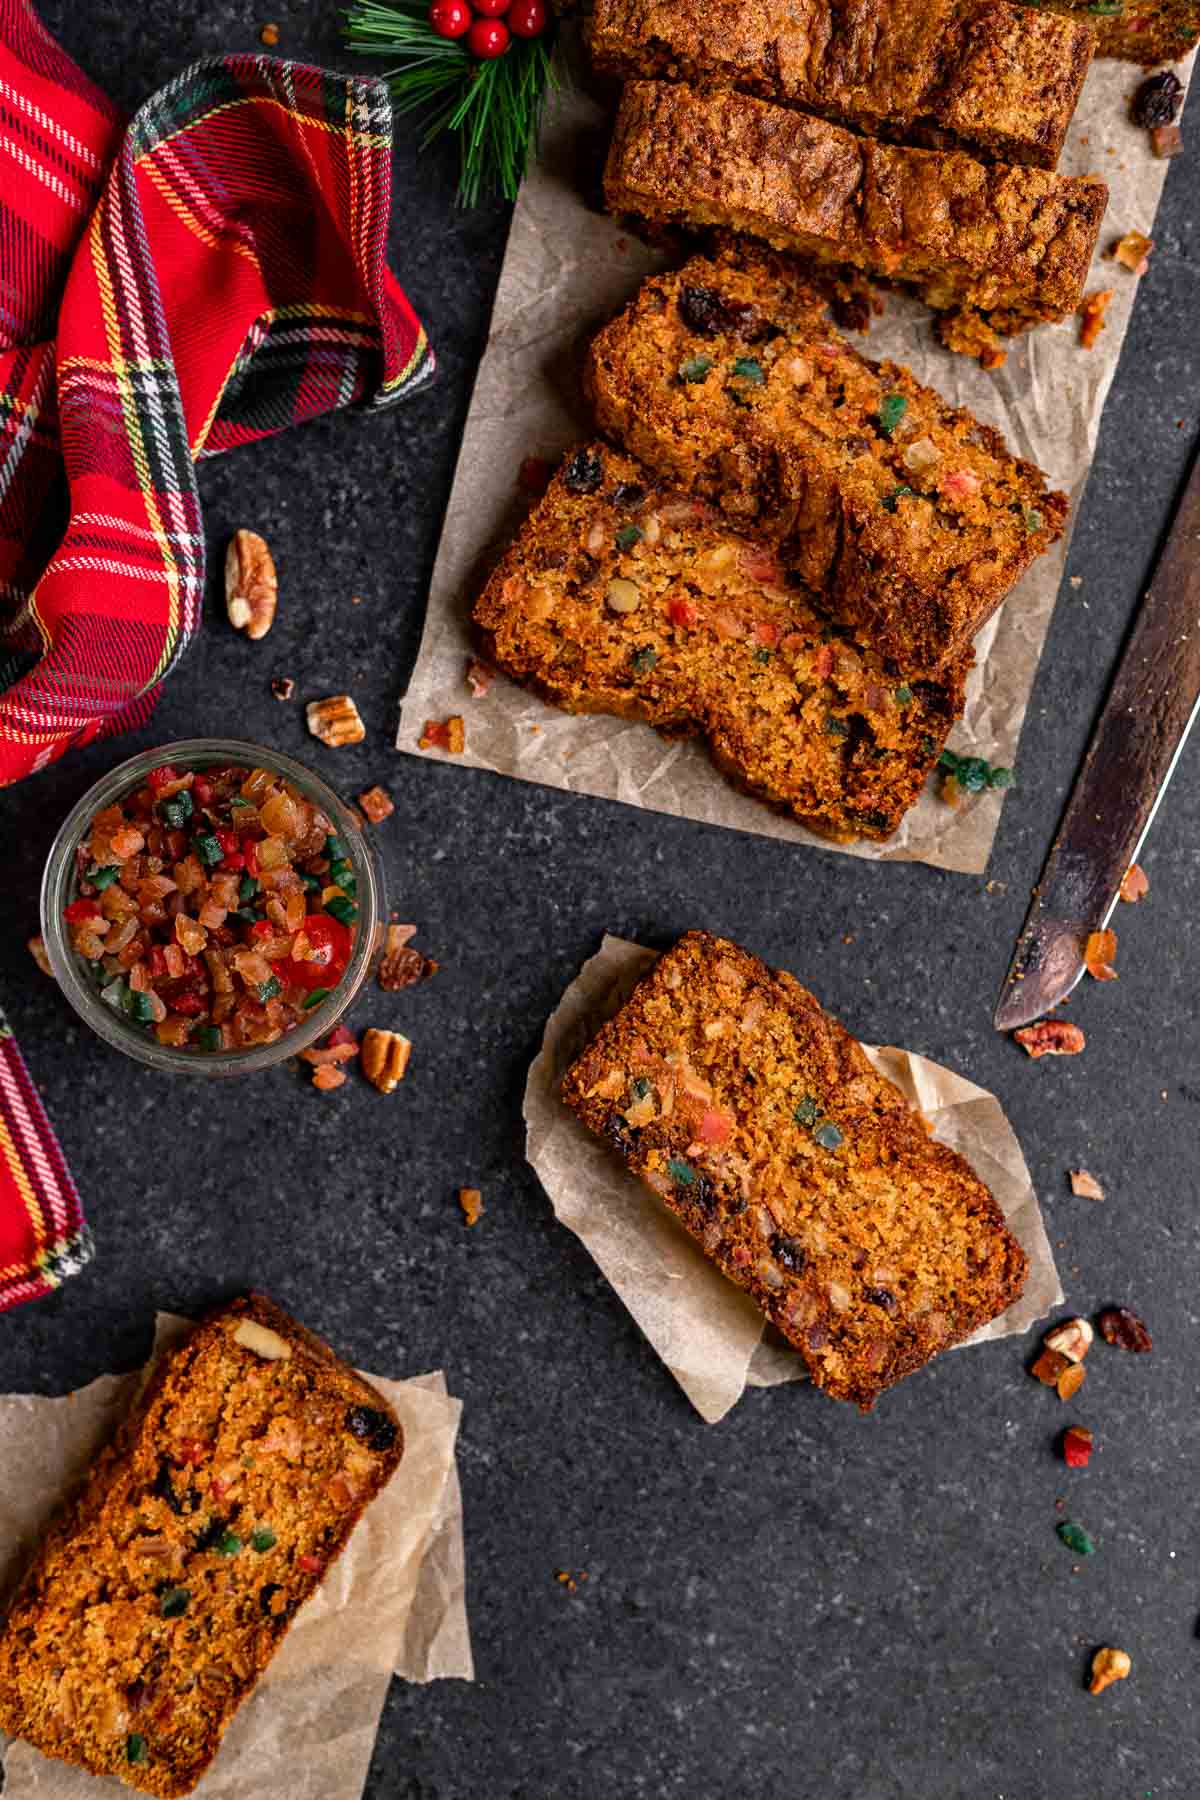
x: 1085, y: 1185
x: 401, y: 966
x: 534, y: 475
x: 1049, y: 1366
x: 1092, y: 313
x: 37, y: 949
x: 251, y: 585
x: 1134, y: 884
x: 327, y: 1078
x: 385, y: 1057
x: 480, y: 676
x: 1108, y: 1665
x: 1166, y: 140
x: 377, y: 804
x: 1133, y: 251
x: 1077, y: 1446
x: 371, y: 1427
x: 1070, y: 1381
x: 1072, y: 1339
x: 444, y: 734
x: 335, y: 721
x: 1125, y: 1330
x: 1051, y: 1037
x: 269, y: 35
x: 1099, y: 952
x: 1157, y: 101
x: 340, y: 1046
x: 471, y: 1201
x: 1076, y: 1538
x: 283, y: 687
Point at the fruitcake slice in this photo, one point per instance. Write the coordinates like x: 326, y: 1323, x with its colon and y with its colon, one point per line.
x: 1000, y: 80
x: 622, y: 595
x: 907, y: 515
x: 802, y: 1173
x: 158, y: 1597
x: 1011, y: 244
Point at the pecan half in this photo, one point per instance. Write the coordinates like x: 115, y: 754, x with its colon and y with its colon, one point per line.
x: 335, y: 721
x: 1123, y: 1328
x: 385, y: 1057
x: 251, y: 585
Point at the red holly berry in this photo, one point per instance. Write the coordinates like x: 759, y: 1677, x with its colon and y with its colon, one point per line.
x: 450, y: 18
x: 488, y: 38
x: 490, y: 9
x: 526, y: 18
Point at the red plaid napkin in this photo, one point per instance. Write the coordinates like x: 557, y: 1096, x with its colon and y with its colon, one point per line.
x: 42, y: 1233
x: 202, y: 275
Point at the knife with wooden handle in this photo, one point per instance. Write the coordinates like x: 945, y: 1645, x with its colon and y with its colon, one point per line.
x: 1135, y: 747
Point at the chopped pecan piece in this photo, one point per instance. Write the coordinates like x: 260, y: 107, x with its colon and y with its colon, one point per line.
x: 1134, y: 883
x: 471, y: 1201
x: 377, y: 804
x: 1085, y: 1185
x: 1123, y: 1328
x: 385, y: 1057
x: 1092, y: 313
x: 251, y: 585
x: 444, y: 734
x: 336, y: 721
x: 402, y: 966
x: 1072, y: 1339
x: 1051, y: 1037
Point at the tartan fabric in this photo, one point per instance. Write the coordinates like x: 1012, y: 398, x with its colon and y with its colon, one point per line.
x: 173, y: 286
x: 42, y: 1233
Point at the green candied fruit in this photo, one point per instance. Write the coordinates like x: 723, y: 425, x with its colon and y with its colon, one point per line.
x: 897, y: 493
x: 174, y: 1602
x: 643, y: 660
x: 903, y: 694
x: 628, y: 536
x: 836, y: 727
x: 762, y: 656
x: 1076, y: 1538
x: 639, y: 1088
x: 828, y: 1136
x: 1033, y: 518
x: 748, y: 368
x: 808, y: 1111
x: 948, y: 761
x: 1001, y: 777
x: 892, y: 409
x: 228, y: 1544
x: 681, y: 1173
x: 135, y: 1748
x: 102, y: 877
x: 973, y: 773
x: 263, y: 1539
x: 696, y: 369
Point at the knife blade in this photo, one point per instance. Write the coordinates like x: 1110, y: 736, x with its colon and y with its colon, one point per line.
x: 1134, y: 751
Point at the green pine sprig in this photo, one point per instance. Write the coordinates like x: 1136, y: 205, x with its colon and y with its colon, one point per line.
x: 493, y: 108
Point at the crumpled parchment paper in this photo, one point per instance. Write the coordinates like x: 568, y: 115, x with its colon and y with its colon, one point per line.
x: 709, y: 1333
x: 567, y: 269
x: 393, y: 1603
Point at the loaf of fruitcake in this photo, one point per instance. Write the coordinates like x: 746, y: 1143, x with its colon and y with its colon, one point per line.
x: 1011, y: 244
x: 623, y: 595
x: 908, y: 516
x: 988, y: 76
x: 802, y: 1173
x: 1140, y: 31
x: 160, y: 1594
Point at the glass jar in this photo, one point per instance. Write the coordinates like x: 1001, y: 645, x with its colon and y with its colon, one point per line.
x: 60, y: 887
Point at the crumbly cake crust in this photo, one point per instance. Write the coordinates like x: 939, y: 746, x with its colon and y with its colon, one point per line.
x: 1012, y: 243
x: 622, y: 595
x: 997, y: 79
x: 802, y: 1173
x: 155, y: 1600
x: 908, y: 516
x: 1140, y: 31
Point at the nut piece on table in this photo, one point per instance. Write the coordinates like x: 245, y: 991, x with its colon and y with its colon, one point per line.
x: 1123, y: 1328
x: 1108, y: 1665
x: 251, y: 586
x: 1072, y: 1339
x: 335, y: 721
x: 37, y: 949
x: 1085, y: 1185
x: 262, y: 1340
x: 402, y: 966
x: 385, y: 1057
x: 471, y: 1201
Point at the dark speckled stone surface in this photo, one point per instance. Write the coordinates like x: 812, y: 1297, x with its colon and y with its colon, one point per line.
x: 799, y: 1602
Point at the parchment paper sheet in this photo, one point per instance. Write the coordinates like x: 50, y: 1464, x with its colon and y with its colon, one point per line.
x: 709, y: 1333
x: 393, y: 1603
x: 566, y: 270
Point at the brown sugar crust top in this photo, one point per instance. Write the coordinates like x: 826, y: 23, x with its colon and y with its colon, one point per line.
x: 1000, y: 80
x: 1012, y: 243
x: 913, y: 524
x: 623, y: 595
x: 161, y: 1592
x: 802, y: 1173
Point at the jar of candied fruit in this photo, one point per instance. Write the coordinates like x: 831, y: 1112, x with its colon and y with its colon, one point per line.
x: 212, y: 907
